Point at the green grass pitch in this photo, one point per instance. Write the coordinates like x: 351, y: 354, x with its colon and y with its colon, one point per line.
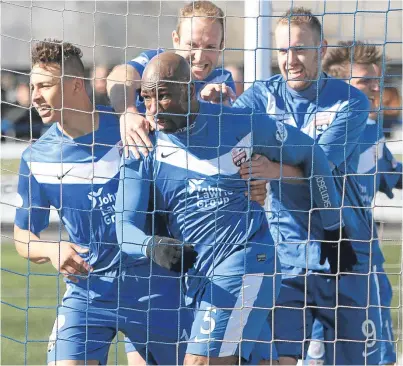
x: 30, y: 294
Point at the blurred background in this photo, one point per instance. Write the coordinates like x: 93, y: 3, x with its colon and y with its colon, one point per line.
x: 113, y: 32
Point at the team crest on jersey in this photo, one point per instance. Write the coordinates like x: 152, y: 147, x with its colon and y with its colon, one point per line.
x: 239, y: 156
x: 281, y: 133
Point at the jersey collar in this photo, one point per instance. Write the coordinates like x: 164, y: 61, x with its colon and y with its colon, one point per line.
x: 199, y: 122
x: 311, y: 92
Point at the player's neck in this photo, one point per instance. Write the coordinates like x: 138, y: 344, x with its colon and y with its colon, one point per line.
x: 311, y: 91
x: 80, y: 122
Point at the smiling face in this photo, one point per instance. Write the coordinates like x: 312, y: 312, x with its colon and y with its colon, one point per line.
x: 199, y: 41
x: 46, y: 92
x: 299, y: 54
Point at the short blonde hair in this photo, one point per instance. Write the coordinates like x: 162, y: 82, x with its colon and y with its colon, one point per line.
x: 301, y: 15
x: 201, y: 9
x: 338, y: 60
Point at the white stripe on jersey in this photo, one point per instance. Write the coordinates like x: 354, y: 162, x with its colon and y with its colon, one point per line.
x: 169, y: 153
x: 97, y: 172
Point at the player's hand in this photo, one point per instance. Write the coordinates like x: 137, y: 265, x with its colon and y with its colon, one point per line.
x: 65, y: 258
x: 171, y: 253
x: 260, y: 167
x: 329, y: 251
x: 214, y: 92
x: 134, y: 130
x: 258, y: 191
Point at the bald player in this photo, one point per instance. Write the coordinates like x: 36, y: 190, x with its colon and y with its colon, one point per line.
x: 193, y: 173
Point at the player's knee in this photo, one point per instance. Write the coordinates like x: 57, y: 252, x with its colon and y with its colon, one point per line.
x: 195, y: 360
x: 286, y: 360
x: 204, y: 360
x: 268, y: 362
x: 135, y: 359
x: 230, y: 360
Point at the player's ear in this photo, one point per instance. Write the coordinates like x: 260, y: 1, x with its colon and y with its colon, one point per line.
x: 192, y: 90
x: 323, y: 49
x: 175, y: 39
x: 78, y: 85
x: 189, y: 91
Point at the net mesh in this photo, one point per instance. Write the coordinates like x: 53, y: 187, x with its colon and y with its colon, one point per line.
x: 111, y: 33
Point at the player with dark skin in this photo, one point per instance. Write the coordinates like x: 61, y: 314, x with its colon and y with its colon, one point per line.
x: 160, y: 83
x: 166, y: 90
x: 163, y: 94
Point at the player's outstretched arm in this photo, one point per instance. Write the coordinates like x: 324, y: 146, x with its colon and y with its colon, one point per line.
x: 390, y: 171
x: 340, y: 139
x: 288, y: 145
x: 63, y: 255
x: 255, y: 98
x: 261, y: 167
x: 122, y: 84
x: 218, y: 93
x: 131, y: 209
x: 131, y: 206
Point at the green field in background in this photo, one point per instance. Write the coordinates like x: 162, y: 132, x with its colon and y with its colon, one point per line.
x: 10, y: 166
x: 28, y: 310
x: 30, y: 295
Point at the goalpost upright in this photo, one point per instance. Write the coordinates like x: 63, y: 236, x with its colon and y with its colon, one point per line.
x: 257, y: 40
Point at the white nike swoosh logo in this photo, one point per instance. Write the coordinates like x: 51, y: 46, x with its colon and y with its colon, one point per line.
x: 366, y: 354
x: 60, y: 176
x: 149, y: 297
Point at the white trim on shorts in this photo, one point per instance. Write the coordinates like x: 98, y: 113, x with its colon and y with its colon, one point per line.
x: 243, y: 304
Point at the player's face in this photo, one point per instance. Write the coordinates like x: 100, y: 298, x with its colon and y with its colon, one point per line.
x: 366, y: 79
x: 46, y: 92
x: 199, y: 42
x: 298, y: 65
x: 46, y: 89
x: 166, y: 105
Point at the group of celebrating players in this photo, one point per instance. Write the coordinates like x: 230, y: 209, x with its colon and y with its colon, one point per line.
x: 163, y: 198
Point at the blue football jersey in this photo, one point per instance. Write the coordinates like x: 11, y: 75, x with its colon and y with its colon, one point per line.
x: 377, y: 168
x: 78, y: 178
x: 334, y: 114
x: 195, y: 182
x: 218, y: 75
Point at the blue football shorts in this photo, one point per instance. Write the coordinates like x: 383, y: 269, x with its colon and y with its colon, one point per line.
x: 303, y: 296
x: 316, y: 350
x: 144, y: 302
x: 232, y: 305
